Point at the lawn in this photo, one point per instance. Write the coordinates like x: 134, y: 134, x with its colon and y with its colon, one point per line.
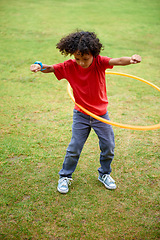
x: 36, y: 120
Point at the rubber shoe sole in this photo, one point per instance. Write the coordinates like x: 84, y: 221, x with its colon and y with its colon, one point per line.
x: 62, y: 191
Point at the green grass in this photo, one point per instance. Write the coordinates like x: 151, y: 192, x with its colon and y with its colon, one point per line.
x: 36, y: 119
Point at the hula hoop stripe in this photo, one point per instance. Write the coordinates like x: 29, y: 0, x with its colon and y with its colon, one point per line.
x: 126, y: 126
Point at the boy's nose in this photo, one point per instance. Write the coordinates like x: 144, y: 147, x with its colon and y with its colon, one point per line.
x: 81, y: 63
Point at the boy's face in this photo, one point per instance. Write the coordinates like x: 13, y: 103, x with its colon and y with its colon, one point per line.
x: 84, y: 60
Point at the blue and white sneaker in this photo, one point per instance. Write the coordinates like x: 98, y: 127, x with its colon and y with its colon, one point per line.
x: 108, y: 181
x: 63, y: 184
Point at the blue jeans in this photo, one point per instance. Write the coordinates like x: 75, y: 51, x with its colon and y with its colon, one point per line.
x: 81, y: 128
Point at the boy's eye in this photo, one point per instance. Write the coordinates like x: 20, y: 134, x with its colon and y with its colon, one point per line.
x: 77, y: 59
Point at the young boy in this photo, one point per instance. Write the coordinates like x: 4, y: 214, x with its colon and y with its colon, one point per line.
x: 86, y: 75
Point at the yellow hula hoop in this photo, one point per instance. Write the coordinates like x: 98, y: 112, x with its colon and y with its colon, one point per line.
x: 126, y: 126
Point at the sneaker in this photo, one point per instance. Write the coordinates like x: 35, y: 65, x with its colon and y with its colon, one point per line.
x: 108, y: 181
x: 63, y: 184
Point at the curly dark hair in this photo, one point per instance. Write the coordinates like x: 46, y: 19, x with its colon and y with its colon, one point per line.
x: 85, y: 42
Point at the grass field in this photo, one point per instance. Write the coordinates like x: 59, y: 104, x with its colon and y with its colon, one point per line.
x: 36, y: 119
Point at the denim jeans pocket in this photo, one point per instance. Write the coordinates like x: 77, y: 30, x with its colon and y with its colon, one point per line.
x: 76, y: 111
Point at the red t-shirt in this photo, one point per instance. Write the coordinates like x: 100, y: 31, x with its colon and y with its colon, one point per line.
x: 88, y: 84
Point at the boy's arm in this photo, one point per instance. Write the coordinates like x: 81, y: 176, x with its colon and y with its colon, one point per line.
x: 46, y: 68
x: 125, y: 60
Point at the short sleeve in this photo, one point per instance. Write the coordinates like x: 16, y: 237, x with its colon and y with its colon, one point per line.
x: 104, y: 62
x: 59, y: 70
x: 63, y: 70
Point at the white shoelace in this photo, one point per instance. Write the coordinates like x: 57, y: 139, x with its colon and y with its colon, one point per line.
x: 65, y: 181
x: 110, y: 179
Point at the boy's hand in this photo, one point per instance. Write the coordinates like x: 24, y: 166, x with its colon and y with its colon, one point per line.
x: 135, y: 59
x: 35, y: 68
